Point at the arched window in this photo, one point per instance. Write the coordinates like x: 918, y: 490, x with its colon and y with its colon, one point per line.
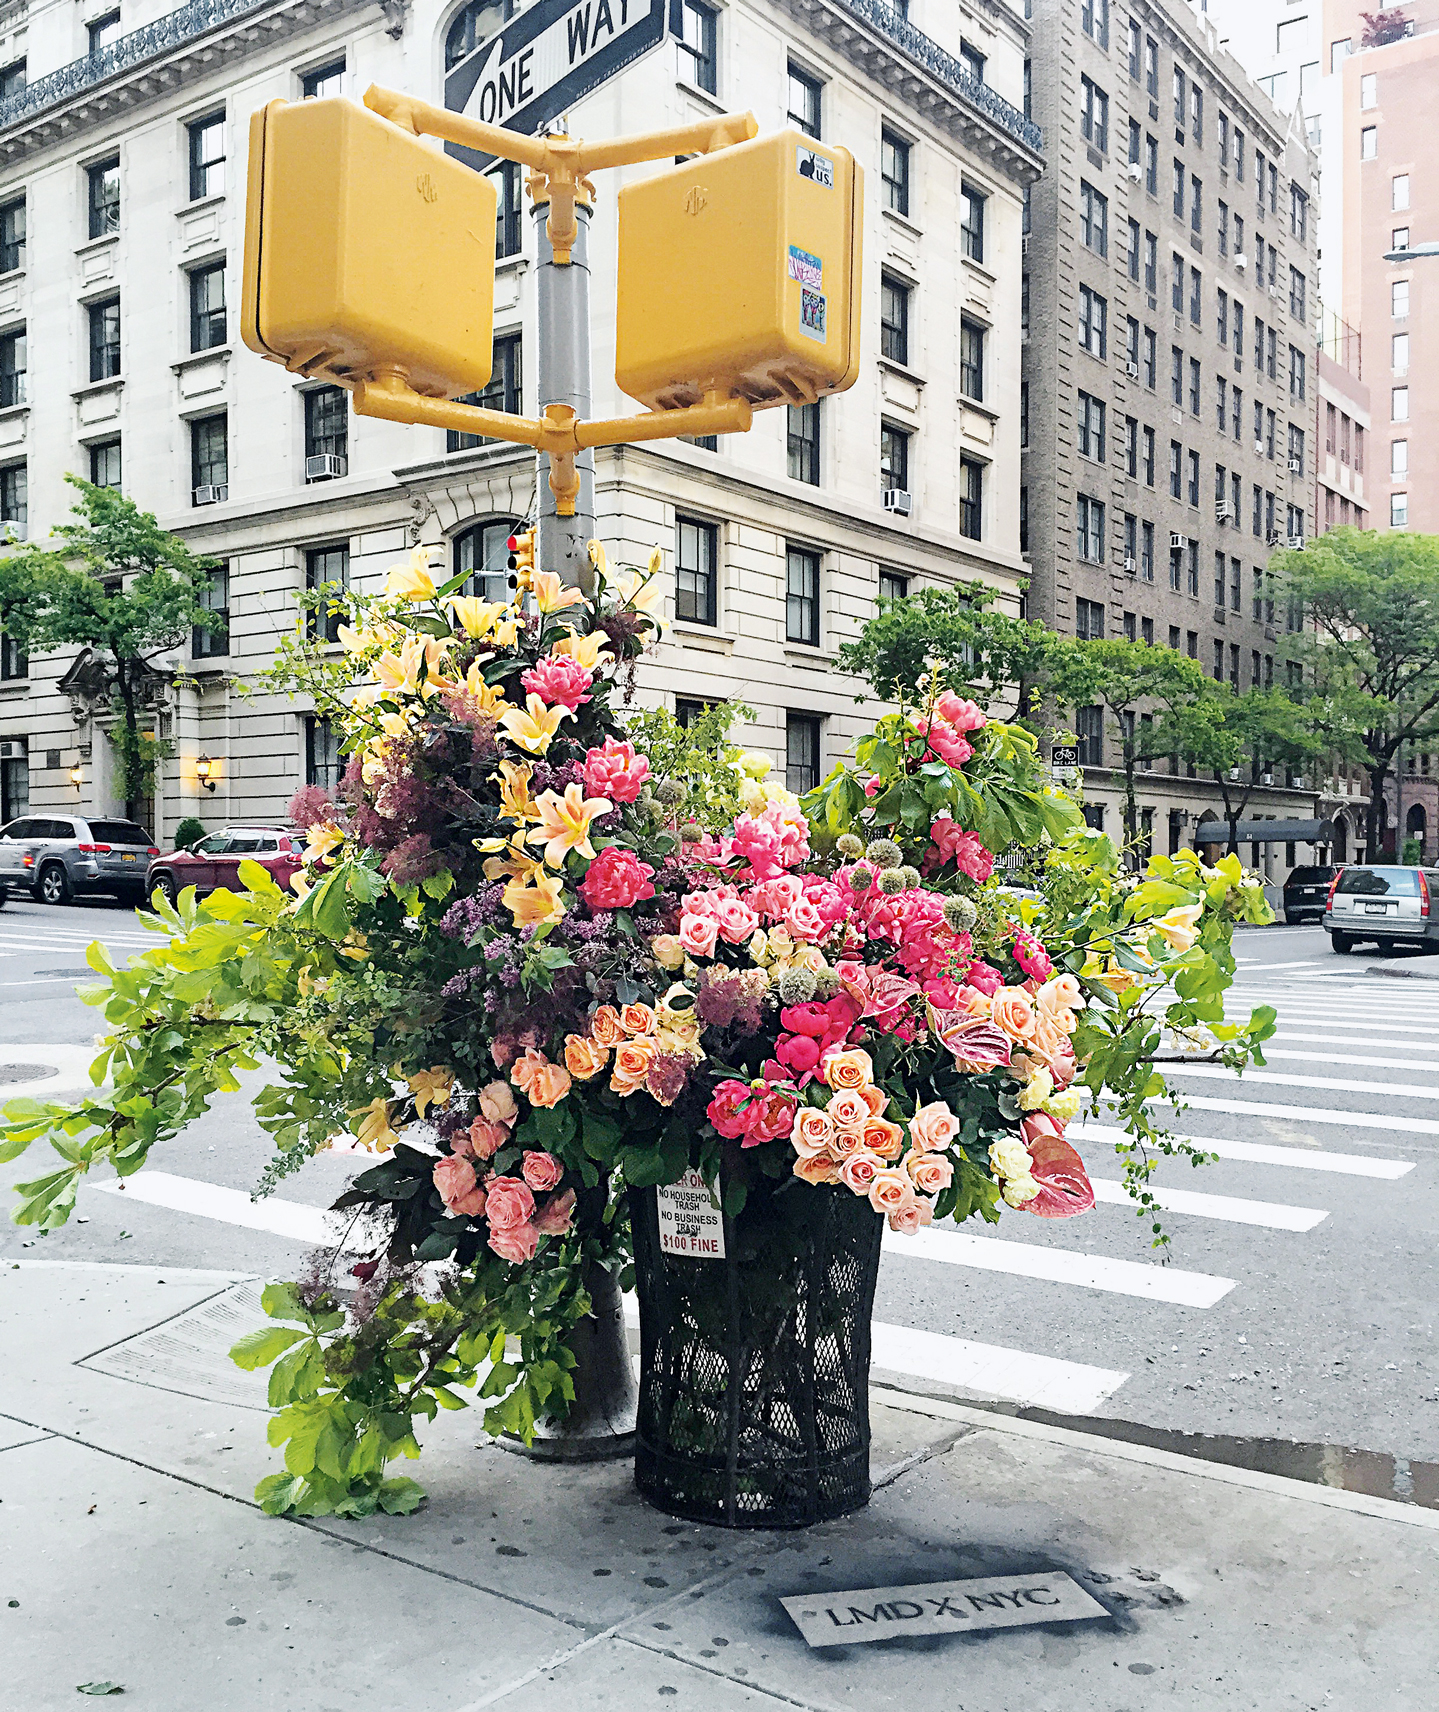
x: 482, y: 553
x: 476, y: 23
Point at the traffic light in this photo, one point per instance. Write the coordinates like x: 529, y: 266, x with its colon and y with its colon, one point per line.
x: 738, y: 274
x: 366, y: 251
x: 521, y: 561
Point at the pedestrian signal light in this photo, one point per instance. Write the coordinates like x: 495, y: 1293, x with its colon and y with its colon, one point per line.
x: 738, y: 275
x: 522, y: 555
x: 367, y: 253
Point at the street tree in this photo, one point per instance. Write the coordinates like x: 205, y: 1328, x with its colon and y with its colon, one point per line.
x: 1369, y: 647
x: 121, y: 586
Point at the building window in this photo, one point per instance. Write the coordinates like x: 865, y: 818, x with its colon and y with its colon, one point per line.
x: 1399, y: 238
x: 1399, y: 192
x: 1132, y: 256
x: 209, y: 460
x: 1146, y: 552
x: 104, y: 339
x: 481, y: 555
x: 1089, y: 529
x: 1179, y: 178
x: 804, y: 102
x: 323, y: 81
x: 971, y: 222
x: 1196, y: 204
x: 802, y: 443
x: 1399, y: 299
x: 1149, y: 366
x: 1369, y: 143
x: 1298, y: 294
x: 697, y: 44
x: 1093, y: 115
x: 1094, y: 219
x: 103, y: 181
x: 696, y: 571
x: 509, y: 210
x: 801, y: 752
x: 214, y: 643
x: 323, y: 764
x: 1024, y: 415
x: 1135, y: 50
x: 208, y: 322
x: 894, y: 171
x: 1398, y: 404
x: 971, y: 358
x: 971, y: 499
x: 13, y: 361
x: 327, y: 433
x: 14, y: 501
x: 1398, y: 510
x: 1176, y: 376
x: 1398, y: 457
x: 1091, y: 427
x: 1089, y: 620
x: 1093, y: 322
x: 105, y: 464
x: 1399, y: 353
x: 207, y: 156
x: 1024, y: 519
x: 892, y: 586
x: 1131, y: 447
x: 327, y: 569
x: 894, y: 319
x: 12, y: 235
x: 893, y: 458
x: 972, y: 60
x: 1094, y: 21
x: 1089, y: 729
x: 12, y: 79
x: 502, y: 392
x: 103, y: 32
x: 1195, y: 386
x: 14, y: 665
x: 801, y: 582
x: 688, y: 710
x: 1298, y: 366
x: 1131, y: 627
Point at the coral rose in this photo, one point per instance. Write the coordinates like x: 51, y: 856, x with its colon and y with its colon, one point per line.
x: 1059, y: 995
x: 606, y: 1028
x: 933, y: 1127
x: 638, y: 1019
x: 852, y: 1069
x: 584, y: 1058
x: 515, y: 1242
x: 632, y: 1064
x: 860, y: 1170
x: 541, y: 1170
x: 812, y: 1131
x: 890, y: 1191
x: 875, y: 1098
x: 455, y: 1178
x: 816, y: 1168
x: 542, y: 1083
x: 848, y: 1110
x: 845, y: 1142
x: 884, y: 1138
x: 497, y: 1103
x: 913, y: 1216
x: 616, y: 879
x: 508, y: 1203
x: 929, y: 1172
x: 486, y: 1138
x: 698, y: 934
x: 1011, y: 1011
x: 557, y: 1216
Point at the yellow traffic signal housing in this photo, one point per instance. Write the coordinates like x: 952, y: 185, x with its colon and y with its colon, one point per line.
x: 521, y: 560
x: 366, y: 251
x: 739, y: 275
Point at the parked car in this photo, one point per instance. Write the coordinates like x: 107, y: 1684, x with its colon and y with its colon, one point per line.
x: 1306, y: 893
x: 1390, y: 906
x: 56, y: 857
x: 214, y: 863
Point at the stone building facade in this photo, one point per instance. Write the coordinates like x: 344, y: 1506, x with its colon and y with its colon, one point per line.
x: 122, y: 180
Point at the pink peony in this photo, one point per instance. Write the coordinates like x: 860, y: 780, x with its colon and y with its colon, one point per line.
x: 873, y: 786
x: 560, y: 681
x: 799, y: 1054
x: 515, y: 1242
x: 455, y: 1178
x: 946, y: 742
x: 509, y: 1203
x: 557, y: 1216
x: 962, y: 715
x: 772, y: 841
x: 728, y: 1108
x: 616, y: 879
x: 541, y: 1170
x: 982, y: 978
x: 770, y: 1117
x: 615, y: 771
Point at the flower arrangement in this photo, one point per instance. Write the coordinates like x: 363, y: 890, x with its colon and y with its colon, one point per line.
x: 522, y: 971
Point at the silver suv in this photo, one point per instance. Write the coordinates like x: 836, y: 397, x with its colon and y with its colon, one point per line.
x: 57, y: 856
x: 1388, y: 905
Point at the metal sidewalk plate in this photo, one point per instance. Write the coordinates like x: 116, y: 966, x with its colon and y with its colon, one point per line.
x: 940, y: 1608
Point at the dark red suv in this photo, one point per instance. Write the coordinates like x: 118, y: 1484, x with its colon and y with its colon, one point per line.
x: 215, y: 861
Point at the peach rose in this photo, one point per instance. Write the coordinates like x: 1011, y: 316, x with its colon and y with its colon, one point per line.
x: 1011, y: 1010
x: 929, y: 1172
x: 819, y: 1168
x: 557, y: 1215
x: 497, y: 1104
x: 510, y: 1203
x: 541, y: 1170
x: 455, y: 1178
x: 890, y: 1191
x: 542, y: 1083
x: 638, y: 1019
x: 860, y: 1170
x: 515, y: 1242
x: 851, y: 1069
x: 486, y: 1138
x: 583, y: 1058
x: 605, y: 1027
x: 933, y: 1127
x: 632, y: 1064
x: 883, y: 1137
x: 848, y: 1110
x: 698, y: 934
x: 812, y: 1132
x: 875, y: 1098
x: 845, y: 1142
x: 1059, y: 993
x: 913, y: 1216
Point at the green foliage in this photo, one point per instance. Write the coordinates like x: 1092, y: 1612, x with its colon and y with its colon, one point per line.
x: 189, y: 833
x: 701, y: 757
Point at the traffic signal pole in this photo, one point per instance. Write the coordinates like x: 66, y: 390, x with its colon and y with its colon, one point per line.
x: 562, y: 287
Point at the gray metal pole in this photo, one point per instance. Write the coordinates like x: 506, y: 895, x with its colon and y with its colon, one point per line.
x: 564, y: 378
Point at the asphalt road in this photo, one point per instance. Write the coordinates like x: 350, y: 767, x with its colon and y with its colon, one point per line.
x: 1297, y: 1300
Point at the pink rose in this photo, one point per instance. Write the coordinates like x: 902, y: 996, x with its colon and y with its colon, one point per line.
x: 557, y: 1216
x: 698, y: 934
x: 455, y: 1178
x: 860, y: 1170
x: 912, y: 1216
x: 805, y: 922
x: 962, y: 715
x: 929, y: 1172
x: 1032, y: 957
x: 736, y: 920
x: 515, y: 1242
x: 559, y: 681
x: 510, y: 1203
x: 616, y: 879
x: 933, y: 1127
x: 873, y: 786
x: 541, y: 1170
x: 486, y: 1138
x: 615, y: 771
x: 890, y: 1190
x: 812, y: 1131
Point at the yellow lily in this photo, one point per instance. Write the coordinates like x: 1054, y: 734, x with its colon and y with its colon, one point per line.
x: 399, y: 674
x: 551, y: 593
x: 515, y: 864
x: 353, y: 641
x: 590, y: 651
x: 412, y: 580
x: 515, y: 798
x: 489, y: 696
x: 375, y: 1130
x: 431, y: 1088
x: 640, y: 591
x: 565, y: 823
x: 323, y: 837
x: 533, y: 726
x: 476, y: 617
x: 361, y: 696
x: 1179, y: 929
x: 598, y: 558
x: 538, y: 903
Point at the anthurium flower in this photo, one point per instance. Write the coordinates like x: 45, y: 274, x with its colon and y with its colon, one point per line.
x: 412, y: 580
x: 565, y: 823
x: 533, y: 726
x: 1179, y: 929
x: 591, y: 651
x: 551, y: 593
x: 375, y: 1130
x: 536, y: 904
x: 431, y: 1088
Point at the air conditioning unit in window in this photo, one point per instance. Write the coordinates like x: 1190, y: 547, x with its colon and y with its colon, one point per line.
x: 899, y: 500
x: 1241, y: 261
x: 13, y: 750
x: 1266, y: 778
x: 211, y: 494
x: 1259, y: 447
x: 1296, y: 466
x: 1136, y: 172
x: 326, y: 467
x: 1132, y: 370
x: 1177, y: 543
x: 1223, y: 514
x: 1234, y: 772
x: 1275, y: 293
x: 1128, y: 565
x: 1296, y: 543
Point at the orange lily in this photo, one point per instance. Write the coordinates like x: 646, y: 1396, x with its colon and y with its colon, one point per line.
x: 538, y: 903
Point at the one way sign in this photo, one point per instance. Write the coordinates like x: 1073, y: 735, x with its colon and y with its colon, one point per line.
x: 544, y: 60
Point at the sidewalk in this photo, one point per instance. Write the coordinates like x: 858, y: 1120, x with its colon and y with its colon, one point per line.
x: 129, y: 1540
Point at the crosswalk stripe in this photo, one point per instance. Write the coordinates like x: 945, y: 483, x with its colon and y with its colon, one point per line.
x: 1333, y: 1004
x: 1062, y: 1266
x: 1394, y: 1028
x: 1282, y: 1034
x: 1314, y: 1114
x: 1271, y: 1052
x: 1273, y: 1215
x: 1269, y: 1153
x: 1324, y: 1084
x: 292, y: 1219
x: 1041, y: 1381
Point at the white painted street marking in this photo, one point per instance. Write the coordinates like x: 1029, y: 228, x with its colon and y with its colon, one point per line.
x: 1067, y: 1387
x: 1062, y: 1266
x: 1332, y: 1024
x: 1267, y: 1153
x: 1272, y: 1052
x: 1284, y: 1035
x: 1324, y: 1084
x: 1259, y: 968
x: 291, y: 1219
x: 1273, y: 1215
x: 1316, y: 1114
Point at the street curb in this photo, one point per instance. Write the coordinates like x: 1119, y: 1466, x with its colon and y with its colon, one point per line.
x: 1402, y: 974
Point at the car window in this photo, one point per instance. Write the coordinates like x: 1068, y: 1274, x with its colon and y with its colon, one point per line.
x: 267, y: 846
x: 1381, y: 882
x: 118, y: 832
x: 18, y: 829
x: 1310, y: 876
x: 213, y: 845
x: 57, y: 829
x: 243, y: 844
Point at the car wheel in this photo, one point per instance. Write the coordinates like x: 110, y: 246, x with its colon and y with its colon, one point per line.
x: 1341, y: 941
x: 54, y: 887
x: 164, y: 884
x: 1292, y: 920
x: 4, y: 895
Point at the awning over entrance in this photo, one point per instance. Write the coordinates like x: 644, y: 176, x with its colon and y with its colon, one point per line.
x: 1267, y: 832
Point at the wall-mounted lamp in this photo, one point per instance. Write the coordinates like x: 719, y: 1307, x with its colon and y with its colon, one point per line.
x: 76, y: 775
x: 204, y: 766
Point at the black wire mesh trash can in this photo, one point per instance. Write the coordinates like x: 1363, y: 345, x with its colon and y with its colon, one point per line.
x: 754, y: 1368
